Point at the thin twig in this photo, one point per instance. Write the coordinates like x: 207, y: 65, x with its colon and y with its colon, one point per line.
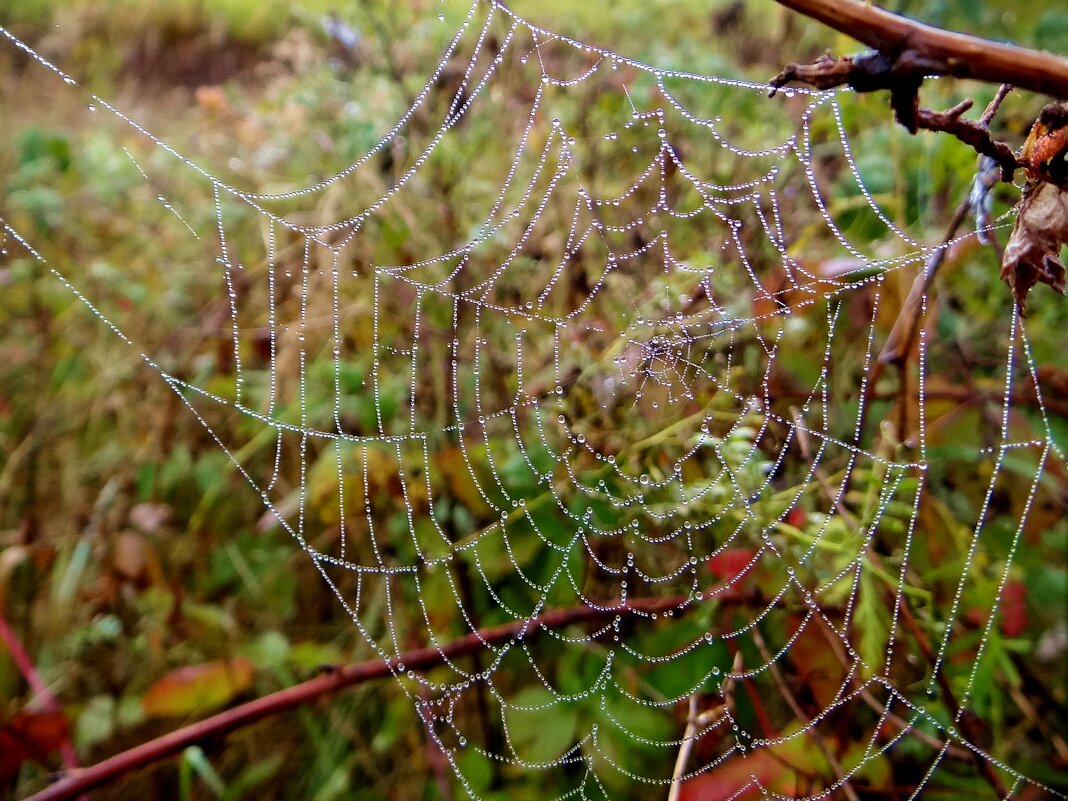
x: 974, y: 134
x: 349, y: 676
x: 899, y: 343
x: 684, y: 749
x: 995, y: 104
x: 902, y: 336
x: 696, y: 722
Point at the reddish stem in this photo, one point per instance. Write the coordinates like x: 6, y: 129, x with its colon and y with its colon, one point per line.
x: 169, y: 744
x: 40, y: 690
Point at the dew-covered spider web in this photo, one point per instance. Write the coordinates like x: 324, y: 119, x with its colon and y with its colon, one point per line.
x: 640, y: 381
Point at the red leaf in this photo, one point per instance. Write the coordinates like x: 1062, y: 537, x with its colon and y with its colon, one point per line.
x: 782, y: 769
x: 30, y: 735
x: 730, y: 563
x: 12, y: 755
x: 1013, y: 608
x: 737, y: 778
x: 796, y: 517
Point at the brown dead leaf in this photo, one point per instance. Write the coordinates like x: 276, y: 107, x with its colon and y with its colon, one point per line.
x: 1032, y: 254
x: 134, y: 559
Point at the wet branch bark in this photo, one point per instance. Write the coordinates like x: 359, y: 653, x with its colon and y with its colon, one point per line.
x: 940, y: 52
x: 906, y: 52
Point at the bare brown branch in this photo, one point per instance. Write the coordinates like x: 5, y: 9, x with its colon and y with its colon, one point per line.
x: 902, y: 76
x: 942, y: 52
x: 972, y: 133
x: 906, y: 52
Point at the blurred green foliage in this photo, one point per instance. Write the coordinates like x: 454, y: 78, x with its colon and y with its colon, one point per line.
x: 129, y: 546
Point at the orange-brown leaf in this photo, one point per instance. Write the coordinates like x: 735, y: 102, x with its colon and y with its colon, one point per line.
x: 197, y: 688
x: 462, y: 484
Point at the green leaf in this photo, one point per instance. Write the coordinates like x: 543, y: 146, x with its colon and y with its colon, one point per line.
x: 871, y: 624
x: 541, y: 727
x: 194, y: 757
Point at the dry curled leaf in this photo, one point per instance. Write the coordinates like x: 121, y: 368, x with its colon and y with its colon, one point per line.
x: 1032, y: 254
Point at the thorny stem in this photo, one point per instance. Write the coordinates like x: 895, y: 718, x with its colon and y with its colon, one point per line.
x: 907, y: 52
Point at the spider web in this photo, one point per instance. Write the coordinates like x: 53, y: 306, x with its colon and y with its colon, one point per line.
x: 639, y: 381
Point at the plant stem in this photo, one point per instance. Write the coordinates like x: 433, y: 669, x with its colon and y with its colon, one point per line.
x: 77, y: 782
x: 29, y: 672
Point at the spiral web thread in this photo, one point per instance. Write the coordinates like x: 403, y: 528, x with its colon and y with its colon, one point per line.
x: 631, y: 437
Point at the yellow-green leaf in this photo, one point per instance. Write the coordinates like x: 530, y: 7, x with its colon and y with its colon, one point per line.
x: 197, y: 688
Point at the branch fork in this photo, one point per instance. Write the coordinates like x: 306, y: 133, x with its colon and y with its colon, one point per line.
x: 902, y: 75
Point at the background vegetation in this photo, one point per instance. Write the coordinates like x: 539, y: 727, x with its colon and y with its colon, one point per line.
x: 130, y: 548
